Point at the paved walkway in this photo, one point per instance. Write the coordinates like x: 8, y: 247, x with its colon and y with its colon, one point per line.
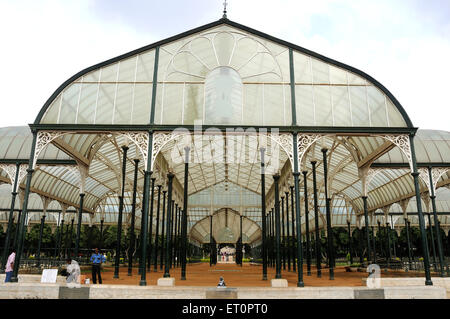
x: 248, y: 275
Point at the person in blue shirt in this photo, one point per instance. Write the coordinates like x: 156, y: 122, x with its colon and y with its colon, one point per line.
x: 97, y: 259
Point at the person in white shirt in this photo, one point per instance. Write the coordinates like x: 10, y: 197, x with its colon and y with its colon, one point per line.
x: 73, y: 272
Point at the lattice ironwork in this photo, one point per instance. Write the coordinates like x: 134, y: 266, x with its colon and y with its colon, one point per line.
x: 141, y: 140
x: 43, y: 139
x: 436, y: 174
x: 403, y: 143
x: 286, y: 142
x: 304, y: 142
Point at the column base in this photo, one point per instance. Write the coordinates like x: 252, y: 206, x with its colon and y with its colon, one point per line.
x: 428, y: 283
x: 279, y: 283
x: 166, y: 282
x: 300, y: 284
x: 142, y: 283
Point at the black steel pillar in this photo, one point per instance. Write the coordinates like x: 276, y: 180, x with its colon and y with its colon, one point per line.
x: 436, y: 226
x: 163, y: 223
x: 374, y: 250
x: 71, y: 238
x: 263, y: 215
x: 328, y: 215
x: 350, y: 242
x: 366, y: 220
x: 388, y: 235
x: 16, y: 231
x: 21, y: 222
x: 10, y: 221
x: 409, y: 243
x: 41, y: 230
x: 170, y: 177
x: 158, y: 205
x: 283, y: 250
x: 294, y: 241
x: 133, y: 217
x: 415, y: 174
x: 101, y: 233
x: 288, y: 238
x: 119, y: 221
x: 175, y: 237
x: 150, y: 220
x: 80, y: 218
x: 316, y: 221
x: 308, y: 242
x: 433, y: 247
x: 144, y: 228
x: 60, y: 237
x: 240, y: 242
x: 276, y: 179
x: 210, y: 242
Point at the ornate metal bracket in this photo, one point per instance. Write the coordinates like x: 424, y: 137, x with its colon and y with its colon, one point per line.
x: 162, y: 138
x: 10, y: 170
x: 141, y: 140
x: 436, y: 174
x: 43, y: 139
x: 285, y: 141
x: 304, y: 142
x: 403, y: 143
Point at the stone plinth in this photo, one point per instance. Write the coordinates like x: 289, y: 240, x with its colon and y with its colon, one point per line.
x: 221, y: 293
x: 166, y: 282
x: 279, y: 283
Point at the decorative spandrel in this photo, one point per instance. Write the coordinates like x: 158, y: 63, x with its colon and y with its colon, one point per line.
x: 304, y: 142
x: 436, y: 174
x: 403, y: 143
x: 141, y: 140
x: 43, y: 139
x: 10, y: 170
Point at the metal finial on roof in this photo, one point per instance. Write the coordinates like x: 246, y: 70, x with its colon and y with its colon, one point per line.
x: 225, y: 9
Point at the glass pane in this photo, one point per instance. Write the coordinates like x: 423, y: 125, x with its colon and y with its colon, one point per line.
x: 377, y: 107
x: 395, y: 118
x: 127, y: 70
x: 105, y: 105
x: 69, y: 104
x: 320, y: 72
x: 302, y: 68
x: 322, y: 100
x: 341, y: 106
x: 124, y: 100
x: 109, y: 73
x: 193, y: 103
x: 223, y: 97
x: 146, y: 62
x: 88, y: 99
x: 358, y: 99
x: 51, y: 115
x: 253, y: 102
x: 172, y: 104
x: 305, y: 105
x: 142, y: 103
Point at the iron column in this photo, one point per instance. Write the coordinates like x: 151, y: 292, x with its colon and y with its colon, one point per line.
x: 436, y: 224
x: 263, y: 215
x: 158, y: 205
x: 316, y: 220
x: 119, y: 221
x: 133, y: 216
x: 308, y: 242
x: 170, y: 176
x: 80, y: 218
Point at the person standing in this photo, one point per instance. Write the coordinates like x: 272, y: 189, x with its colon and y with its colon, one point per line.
x: 10, y: 266
x: 97, y: 259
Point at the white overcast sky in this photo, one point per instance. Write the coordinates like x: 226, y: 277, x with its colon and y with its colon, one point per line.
x: 404, y: 44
